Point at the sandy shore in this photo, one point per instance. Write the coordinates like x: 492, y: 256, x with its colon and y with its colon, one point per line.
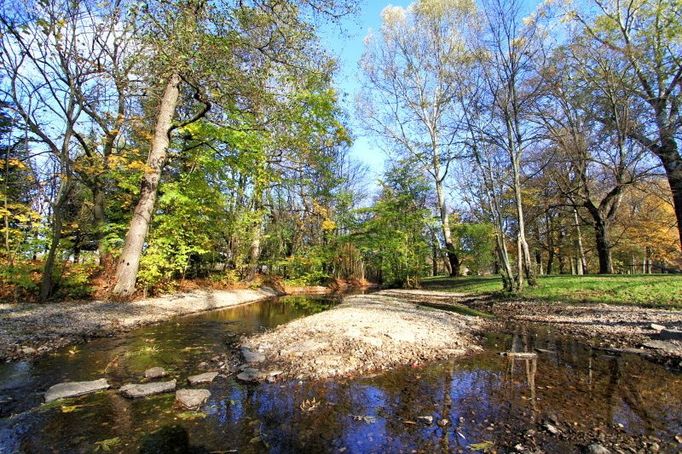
x: 32, y: 329
x: 364, y: 334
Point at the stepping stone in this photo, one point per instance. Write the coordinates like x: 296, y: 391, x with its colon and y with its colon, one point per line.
x: 155, y: 372
x: 250, y: 375
x: 74, y: 389
x: 192, y: 399
x: 206, y: 377
x: 134, y: 390
x: 252, y: 357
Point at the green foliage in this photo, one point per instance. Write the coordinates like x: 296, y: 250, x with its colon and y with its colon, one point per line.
x: 475, y: 244
x: 76, y: 281
x: 394, y: 240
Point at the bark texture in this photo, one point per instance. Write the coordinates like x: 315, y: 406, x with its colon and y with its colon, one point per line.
x: 129, y: 262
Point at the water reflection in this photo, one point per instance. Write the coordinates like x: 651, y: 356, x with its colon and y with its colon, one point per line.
x: 483, y: 398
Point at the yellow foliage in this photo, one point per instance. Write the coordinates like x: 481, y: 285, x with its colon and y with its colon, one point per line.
x: 328, y: 225
x: 139, y: 165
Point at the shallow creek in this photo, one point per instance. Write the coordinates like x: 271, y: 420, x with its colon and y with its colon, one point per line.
x: 483, y: 401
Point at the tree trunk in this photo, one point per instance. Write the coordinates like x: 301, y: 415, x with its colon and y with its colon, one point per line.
x: 525, y: 258
x: 129, y: 262
x: 445, y: 226
x: 674, y: 172
x: 603, y: 247
x: 46, y: 282
x: 255, y: 249
x: 581, y: 250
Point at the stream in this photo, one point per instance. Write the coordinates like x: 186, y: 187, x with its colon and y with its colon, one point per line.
x: 480, y: 402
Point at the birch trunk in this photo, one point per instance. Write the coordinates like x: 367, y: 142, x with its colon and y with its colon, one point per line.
x: 129, y: 262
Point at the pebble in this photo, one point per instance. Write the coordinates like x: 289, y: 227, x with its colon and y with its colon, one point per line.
x: 551, y: 428
x: 596, y: 448
x: 425, y: 419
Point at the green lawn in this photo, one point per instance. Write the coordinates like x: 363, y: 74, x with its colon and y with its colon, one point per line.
x: 658, y: 290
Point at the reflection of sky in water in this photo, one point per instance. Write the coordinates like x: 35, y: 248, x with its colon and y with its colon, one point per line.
x: 575, y: 384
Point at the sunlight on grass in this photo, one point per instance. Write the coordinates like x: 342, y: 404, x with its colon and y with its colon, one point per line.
x: 661, y: 290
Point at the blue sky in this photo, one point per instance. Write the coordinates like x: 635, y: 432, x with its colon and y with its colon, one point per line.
x: 348, y: 47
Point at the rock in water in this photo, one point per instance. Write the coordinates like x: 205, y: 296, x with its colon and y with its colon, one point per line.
x: 207, y: 377
x: 596, y: 448
x: 155, y: 372
x: 252, y: 357
x: 251, y: 375
x: 657, y: 327
x: 134, y: 390
x: 192, y: 399
x: 74, y: 389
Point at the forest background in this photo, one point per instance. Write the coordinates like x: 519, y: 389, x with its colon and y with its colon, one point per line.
x: 150, y: 146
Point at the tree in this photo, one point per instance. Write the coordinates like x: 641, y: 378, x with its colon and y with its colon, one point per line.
x: 412, y: 75
x: 592, y: 163
x: 514, y: 52
x: 394, y: 237
x: 645, y: 38
x: 199, y: 44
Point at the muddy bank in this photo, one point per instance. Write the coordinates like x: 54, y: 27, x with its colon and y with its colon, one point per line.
x: 31, y: 329
x: 655, y: 333
x: 364, y: 334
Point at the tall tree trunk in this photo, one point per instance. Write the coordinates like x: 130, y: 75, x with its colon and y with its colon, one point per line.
x: 46, y: 282
x: 255, y: 249
x: 603, y: 246
x: 445, y: 226
x: 550, y: 244
x: 581, y: 250
x: 673, y: 170
x: 523, y: 243
x: 129, y: 262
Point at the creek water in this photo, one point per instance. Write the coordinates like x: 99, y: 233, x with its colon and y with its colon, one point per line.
x: 482, y: 401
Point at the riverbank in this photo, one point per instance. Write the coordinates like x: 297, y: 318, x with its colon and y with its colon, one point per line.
x: 645, y: 290
x: 365, y: 334
x: 651, y: 332
x: 28, y: 330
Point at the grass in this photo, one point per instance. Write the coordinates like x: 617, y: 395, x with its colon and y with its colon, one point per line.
x: 657, y: 290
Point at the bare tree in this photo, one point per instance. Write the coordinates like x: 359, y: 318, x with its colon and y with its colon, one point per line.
x: 411, y: 82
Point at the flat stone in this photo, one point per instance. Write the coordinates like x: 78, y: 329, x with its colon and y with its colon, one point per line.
x: 252, y: 357
x: 74, y: 389
x: 596, y: 448
x: 251, y: 375
x: 192, y: 399
x: 134, y: 390
x: 657, y: 327
x: 206, y: 377
x: 155, y: 372
x: 667, y: 347
x: 28, y: 350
